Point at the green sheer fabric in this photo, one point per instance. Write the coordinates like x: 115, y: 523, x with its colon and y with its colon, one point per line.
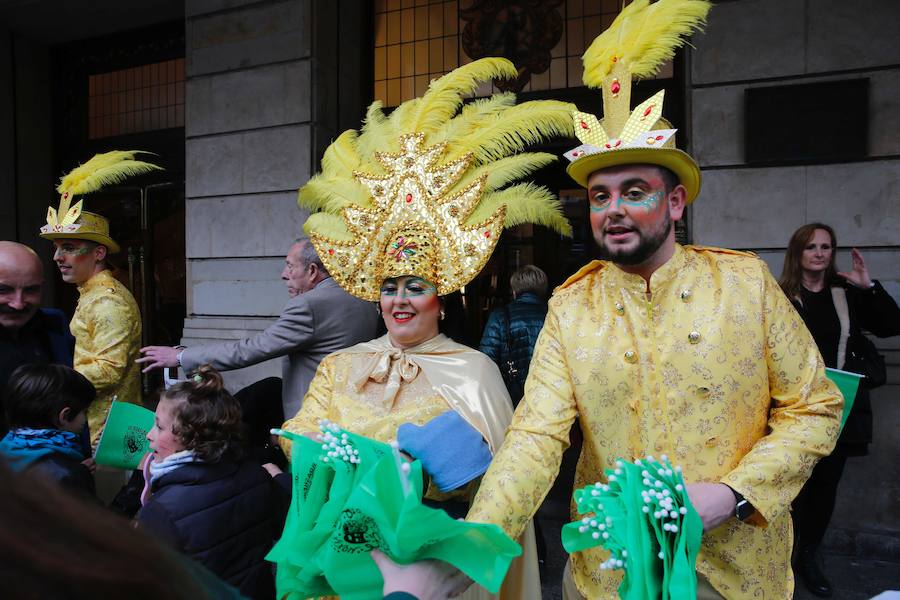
x: 352, y: 494
x: 644, y: 518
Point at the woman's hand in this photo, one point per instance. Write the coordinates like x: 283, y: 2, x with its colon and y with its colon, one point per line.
x: 859, y: 276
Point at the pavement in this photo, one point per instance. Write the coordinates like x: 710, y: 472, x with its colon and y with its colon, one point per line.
x: 861, y: 550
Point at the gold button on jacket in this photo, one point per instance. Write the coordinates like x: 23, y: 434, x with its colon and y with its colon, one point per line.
x: 706, y: 405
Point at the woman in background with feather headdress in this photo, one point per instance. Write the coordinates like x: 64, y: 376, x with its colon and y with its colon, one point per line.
x: 107, y: 322
x: 405, y: 212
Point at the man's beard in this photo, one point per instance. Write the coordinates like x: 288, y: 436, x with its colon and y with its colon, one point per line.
x: 647, y: 246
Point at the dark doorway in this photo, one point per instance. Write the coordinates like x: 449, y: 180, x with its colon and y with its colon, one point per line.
x: 126, y: 92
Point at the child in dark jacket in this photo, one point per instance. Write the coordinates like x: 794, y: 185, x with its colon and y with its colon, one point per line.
x: 45, y: 409
x: 224, y: 512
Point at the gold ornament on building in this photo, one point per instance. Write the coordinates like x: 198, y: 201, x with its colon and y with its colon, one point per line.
x: 638, y: 42
x: 70, y: 221
x: 426, y: 191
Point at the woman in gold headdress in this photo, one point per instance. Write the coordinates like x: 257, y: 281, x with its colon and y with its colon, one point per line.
x: 404, y: 212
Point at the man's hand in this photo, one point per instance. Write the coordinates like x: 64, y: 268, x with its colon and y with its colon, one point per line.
x: 159, y: 357
x: 714, y: 503
x: 426, y: 580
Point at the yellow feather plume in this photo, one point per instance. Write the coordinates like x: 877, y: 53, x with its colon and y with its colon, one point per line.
x: 473, y: 116
x: 509, y: 169
x: 644, y: 35
x: 444, y: 95
x: 514, y: 129
x: 329, y: 225
x: 341, y: 156
x: 332, y: 194
x: 104, y: 169
x: 525, y: 203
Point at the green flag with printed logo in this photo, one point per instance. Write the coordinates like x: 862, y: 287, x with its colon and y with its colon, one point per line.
x: 124, y: 439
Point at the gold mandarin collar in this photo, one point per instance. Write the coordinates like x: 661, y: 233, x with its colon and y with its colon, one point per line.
x: 659, y: 280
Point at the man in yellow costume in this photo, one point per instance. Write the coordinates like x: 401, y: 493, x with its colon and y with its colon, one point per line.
x: 107, y: 322
x: 663, y: 349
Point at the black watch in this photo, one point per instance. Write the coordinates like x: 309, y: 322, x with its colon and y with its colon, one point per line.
x: 743, y: 510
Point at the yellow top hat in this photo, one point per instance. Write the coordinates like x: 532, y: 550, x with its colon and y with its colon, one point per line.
x: 87, y: 226
x: 642, y: 37
x: 70, y: 221
x: 425, y: 191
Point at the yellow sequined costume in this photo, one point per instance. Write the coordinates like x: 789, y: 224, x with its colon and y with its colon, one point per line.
x: 107, y: 330
x: 715, y: 369
x: 373, y: 388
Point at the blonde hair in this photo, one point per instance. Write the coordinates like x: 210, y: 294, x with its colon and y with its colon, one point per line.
x: 529, y: 279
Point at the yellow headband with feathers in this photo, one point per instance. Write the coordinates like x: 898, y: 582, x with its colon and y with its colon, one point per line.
x: 638, y: 42
x: 426, y: 191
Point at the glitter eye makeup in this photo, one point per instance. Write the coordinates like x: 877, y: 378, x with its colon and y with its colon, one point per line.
x: 412, y: 287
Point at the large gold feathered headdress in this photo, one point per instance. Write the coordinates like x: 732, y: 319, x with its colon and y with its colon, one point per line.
x: 70, y: 221
x: 425, y: 191
x: 642, y: 37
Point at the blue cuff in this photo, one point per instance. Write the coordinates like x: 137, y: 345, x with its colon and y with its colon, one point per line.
x: 450, y: 450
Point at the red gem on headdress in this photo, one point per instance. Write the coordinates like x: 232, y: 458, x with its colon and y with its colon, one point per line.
x: 615, y: 87
x: 584, y: 125
x: 409, y: 197
x: 487, y: 234
x: 576, y: 153
x: 660, y: 137
x: 66, y: 195
x: 647, y: 112
x: 331, y: 251
x: 615, y: 58
x: 608, y: 146
x: 618, y: 143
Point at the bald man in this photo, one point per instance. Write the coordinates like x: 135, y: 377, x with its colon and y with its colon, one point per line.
x: 28, y: 333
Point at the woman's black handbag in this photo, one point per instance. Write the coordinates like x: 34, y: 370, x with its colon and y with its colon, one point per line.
x: 508, y: 370
x: 863, y: 358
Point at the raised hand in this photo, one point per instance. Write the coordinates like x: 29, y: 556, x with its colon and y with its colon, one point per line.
x: 859, y: 276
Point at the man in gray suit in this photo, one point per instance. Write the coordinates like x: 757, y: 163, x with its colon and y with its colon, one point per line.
x: 319, y: 319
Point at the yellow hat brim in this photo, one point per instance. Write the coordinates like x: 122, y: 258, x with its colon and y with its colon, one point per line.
x: 675, y: 160
x: 99, y: 238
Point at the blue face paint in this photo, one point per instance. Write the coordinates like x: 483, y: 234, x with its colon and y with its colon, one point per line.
x: 632, y: 198
x: 410, y: 288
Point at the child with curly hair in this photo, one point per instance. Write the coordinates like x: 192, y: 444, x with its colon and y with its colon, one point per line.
x: 201, y: 496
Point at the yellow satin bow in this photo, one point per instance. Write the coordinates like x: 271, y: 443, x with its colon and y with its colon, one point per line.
x: 394, y: 365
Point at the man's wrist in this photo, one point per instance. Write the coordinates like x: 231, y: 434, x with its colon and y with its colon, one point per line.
x: 178, y: 356
x: 743, y: 510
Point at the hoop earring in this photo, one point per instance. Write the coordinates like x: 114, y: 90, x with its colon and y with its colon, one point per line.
x: 443, y: 314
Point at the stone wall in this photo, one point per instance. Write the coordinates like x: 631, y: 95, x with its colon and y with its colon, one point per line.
x: 756, y: 43
x: 262, y: 101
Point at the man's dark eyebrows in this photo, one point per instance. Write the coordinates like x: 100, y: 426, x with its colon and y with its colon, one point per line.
x: 634, y: 181
x: 599, y: 187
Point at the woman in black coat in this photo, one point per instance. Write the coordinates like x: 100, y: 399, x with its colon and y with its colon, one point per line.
x: 836, y: 307
x: 223, y: 512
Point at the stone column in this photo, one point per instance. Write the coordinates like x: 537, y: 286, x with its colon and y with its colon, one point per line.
x: 248, y: 149
x: 269, y: 83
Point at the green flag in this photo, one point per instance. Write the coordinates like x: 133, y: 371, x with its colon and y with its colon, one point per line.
x: 124, y: 439
x: 847, y: 383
